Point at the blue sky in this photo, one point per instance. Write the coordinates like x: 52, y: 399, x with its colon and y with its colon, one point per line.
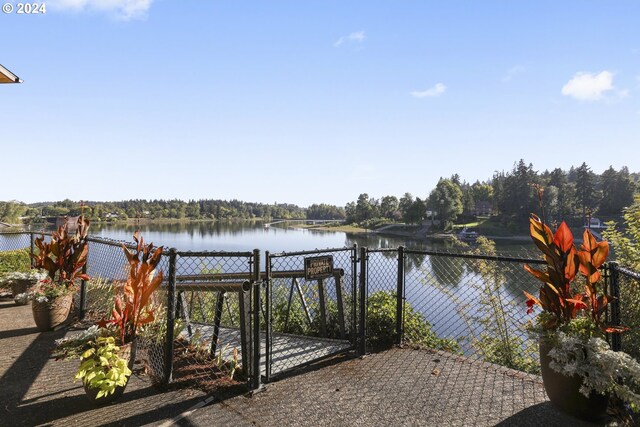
x: 303, y: 102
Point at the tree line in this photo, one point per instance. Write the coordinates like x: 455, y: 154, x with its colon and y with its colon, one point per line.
x: 509, y: 196
x: 150, y: 209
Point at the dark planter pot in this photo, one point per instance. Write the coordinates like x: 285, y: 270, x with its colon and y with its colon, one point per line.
x: 564, y: 392
x: 92, y: 394
x: 128, y: 352
x: 48, y: 315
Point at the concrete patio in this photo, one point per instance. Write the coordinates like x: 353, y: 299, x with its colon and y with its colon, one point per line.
x: 395, y: 387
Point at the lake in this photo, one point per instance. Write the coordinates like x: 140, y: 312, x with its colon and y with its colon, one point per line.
x: 249, y: 235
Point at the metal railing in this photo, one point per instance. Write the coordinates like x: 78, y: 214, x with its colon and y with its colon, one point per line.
x: 219, y: 307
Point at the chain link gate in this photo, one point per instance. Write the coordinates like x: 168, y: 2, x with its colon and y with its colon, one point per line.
x: 309, y: 319
x: 214, y: 328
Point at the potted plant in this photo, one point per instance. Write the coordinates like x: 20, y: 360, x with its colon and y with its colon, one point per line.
x: 63, y: 258
x: 104, y: 369
x: 579, y: 370
x: 20, y: 282
x: 118, y: 337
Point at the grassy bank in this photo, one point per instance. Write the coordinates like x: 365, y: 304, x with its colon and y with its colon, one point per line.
x: 346, y: 228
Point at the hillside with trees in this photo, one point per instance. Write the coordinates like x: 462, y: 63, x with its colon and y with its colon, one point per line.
x: 507, y: 197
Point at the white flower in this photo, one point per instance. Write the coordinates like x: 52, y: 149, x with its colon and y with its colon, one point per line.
x: 602, y: 370
x: 31, y: 275
x: 42, y: 298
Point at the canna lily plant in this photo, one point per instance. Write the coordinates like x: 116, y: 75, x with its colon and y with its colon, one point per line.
x: 561, y: 298
x: 64, y: 256
x: 132, y: 307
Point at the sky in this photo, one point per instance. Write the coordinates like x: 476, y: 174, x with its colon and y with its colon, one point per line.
x: 310, y: 101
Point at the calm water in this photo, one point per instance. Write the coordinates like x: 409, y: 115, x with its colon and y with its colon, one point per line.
x: 246, y: 236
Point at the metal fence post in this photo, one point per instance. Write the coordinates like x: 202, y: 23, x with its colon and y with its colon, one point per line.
x: 400, y: 297
x: 362, y: 345
x: 257, y: 283
x: 354, y: 294
x: 83, y: 292
x: 32, y: 249
x: 171, y: 313
x: 267, y: 320
x: 614, y: 290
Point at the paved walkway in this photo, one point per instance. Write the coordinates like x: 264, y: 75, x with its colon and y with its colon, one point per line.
x: 397, y: 387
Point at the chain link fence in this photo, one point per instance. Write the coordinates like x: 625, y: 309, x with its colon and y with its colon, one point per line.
x: 218, y: 315
x: 310, y: 319
x: 202, y: 328
x: 461, y: 303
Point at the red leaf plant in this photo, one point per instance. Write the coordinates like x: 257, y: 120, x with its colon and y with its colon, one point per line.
x: 64, y: 256
x: 131, y: 309
x: 560, y: 296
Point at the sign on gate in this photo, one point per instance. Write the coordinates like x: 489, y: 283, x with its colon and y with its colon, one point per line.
x: 318, y: 267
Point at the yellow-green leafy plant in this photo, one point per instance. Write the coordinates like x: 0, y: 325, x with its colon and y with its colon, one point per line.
x: 102, y: 368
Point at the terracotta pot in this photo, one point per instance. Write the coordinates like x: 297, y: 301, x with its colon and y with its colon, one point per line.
x: 20, y: 287
x: 128, y: 352
x: 48, y: 315
x: 564, y: 392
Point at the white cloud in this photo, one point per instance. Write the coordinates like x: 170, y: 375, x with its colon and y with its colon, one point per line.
x: 589, y: 87
x: 512, y: 72
x: 122, y: 9
x: 436, y: 90
x: 357, y: 37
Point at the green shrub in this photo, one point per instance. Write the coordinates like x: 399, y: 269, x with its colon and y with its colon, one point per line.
x: 627, y: 252
x: 298, y: 323
x: 381, y: 323
x: 511, y: 352
x: 16, y: 260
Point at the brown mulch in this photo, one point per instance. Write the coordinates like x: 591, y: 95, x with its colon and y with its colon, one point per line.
x: 193, y: 370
